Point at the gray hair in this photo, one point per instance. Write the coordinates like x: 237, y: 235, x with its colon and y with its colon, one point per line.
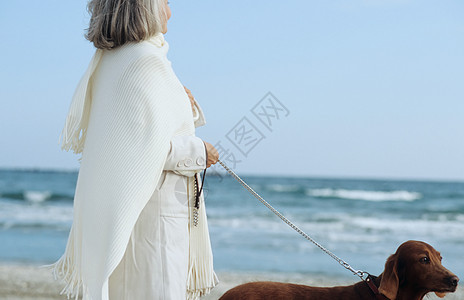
x: 116, y: 22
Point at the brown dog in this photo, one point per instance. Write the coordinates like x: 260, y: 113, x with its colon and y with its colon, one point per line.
x: 412, y: 272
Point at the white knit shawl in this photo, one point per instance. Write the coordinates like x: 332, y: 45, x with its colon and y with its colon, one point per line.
x: 127, y: 107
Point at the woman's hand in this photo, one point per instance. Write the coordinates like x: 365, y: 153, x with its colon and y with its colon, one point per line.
x: 192, y: 100
x: 212, y: 154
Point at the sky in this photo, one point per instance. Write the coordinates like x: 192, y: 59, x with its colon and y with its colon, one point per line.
x: 366, y: 88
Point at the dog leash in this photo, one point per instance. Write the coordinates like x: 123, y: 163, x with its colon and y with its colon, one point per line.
x: 359, y: 273
x: 366, y: 277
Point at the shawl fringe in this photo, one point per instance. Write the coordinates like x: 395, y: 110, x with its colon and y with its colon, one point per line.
x: 68, y: 272
x: 201, y: 276
x: 75, y: 129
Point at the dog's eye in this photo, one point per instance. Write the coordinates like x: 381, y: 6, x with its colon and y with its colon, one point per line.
x: 425, y: 260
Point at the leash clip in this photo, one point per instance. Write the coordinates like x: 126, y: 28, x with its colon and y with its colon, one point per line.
x: 363, y: 275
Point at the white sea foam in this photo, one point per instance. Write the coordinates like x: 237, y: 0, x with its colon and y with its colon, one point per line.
x: 37, y: 196
x: 345, y: 227
x: 376, y: 196
x: 283, y: 187
x: 13, y: 214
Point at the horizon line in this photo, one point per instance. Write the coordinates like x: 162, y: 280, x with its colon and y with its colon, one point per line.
x: 285, y: 175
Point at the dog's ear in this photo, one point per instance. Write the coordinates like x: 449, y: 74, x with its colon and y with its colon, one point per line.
x: 390, y: 282
x: 441, y: 295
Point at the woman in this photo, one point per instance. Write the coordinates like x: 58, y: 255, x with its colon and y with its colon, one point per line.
x: 139, y: 229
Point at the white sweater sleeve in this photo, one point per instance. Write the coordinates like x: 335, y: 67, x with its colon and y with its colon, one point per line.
x: 187, y: 156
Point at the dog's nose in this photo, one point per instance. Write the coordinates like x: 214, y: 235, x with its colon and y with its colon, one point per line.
x: 454, y: 280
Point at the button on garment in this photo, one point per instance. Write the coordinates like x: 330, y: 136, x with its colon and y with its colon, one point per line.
x: 188, y: 162
x: 200, y: 161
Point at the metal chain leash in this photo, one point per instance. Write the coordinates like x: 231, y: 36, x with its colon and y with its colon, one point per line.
x: 344, y: 264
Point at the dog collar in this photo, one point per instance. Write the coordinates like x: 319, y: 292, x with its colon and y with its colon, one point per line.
x: 374, y: 289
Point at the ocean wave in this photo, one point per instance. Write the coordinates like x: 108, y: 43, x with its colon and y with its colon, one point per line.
x: 15, y: 215
x: 376, y: 196
x: 366, y: 195
x: 418, y: 227
x: 283, y: 188
x: 35, y: 226
x: 35, y: 196
x: 344, y: 227
x: 347, y: 233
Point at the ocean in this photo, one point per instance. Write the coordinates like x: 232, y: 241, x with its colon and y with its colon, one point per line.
x: 361, y: 221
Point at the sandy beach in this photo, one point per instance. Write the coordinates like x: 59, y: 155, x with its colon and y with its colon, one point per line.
x: 25, y: 282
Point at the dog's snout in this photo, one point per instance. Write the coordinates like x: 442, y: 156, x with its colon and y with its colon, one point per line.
x: 454, y: 280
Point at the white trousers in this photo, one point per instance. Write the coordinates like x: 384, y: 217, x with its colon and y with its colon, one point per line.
x: 155, y: 264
